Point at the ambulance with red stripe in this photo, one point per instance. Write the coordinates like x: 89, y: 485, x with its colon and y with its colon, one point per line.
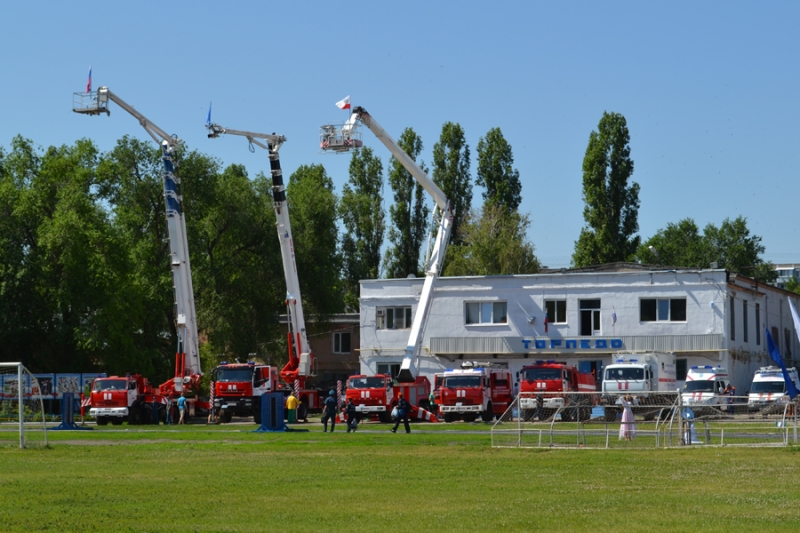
x: 553, y: 381
x: 643, y: 373
x: 705, y: 386
x: 473, y: 391
x: 769, y: 388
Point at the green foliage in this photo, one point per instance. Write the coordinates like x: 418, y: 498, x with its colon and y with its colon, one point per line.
x: 793, y: 285
x: 363, y: 219
x: 496, y: 173
x: 408, y: 215
x: 451, y: 174
x: 313, y: 213
x: 612, y: 206
x: 495, y: 242
x: 730, y: 245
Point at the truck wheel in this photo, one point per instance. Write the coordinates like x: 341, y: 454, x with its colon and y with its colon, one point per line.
x: 384, y: 417
x: 472, y: 417
x: 610, y: 414
x: 257, y: 415
x: 586, y: 414
x: 449, y: 417
x: 488, y: 414
x: 227, y: 415
x: 302, y: 411
x: 133, y: 416
x: 102, y: 421
x: 117, y: 420
x: 566, y: 415
x: 528, y: 415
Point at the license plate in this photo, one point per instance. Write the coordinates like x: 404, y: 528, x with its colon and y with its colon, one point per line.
x: 232, y: 403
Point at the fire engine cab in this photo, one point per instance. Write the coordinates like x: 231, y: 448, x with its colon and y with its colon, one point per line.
x: 544, y: 386
x: 375, y: 395
x: 474, y: 390
x: 116, y: 399
x: 238, y: 388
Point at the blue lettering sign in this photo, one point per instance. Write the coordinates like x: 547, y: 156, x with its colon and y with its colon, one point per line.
x: 526, y: 343
x: 572, y: 343
x: 555, y: 342
x: 600, y: 343
x: 585, y: 344
x: 540, y: 345
x: 616, y: 343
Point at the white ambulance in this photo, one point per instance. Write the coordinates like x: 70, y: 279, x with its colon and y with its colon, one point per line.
x: 705, y: 386
x: 769, y: 388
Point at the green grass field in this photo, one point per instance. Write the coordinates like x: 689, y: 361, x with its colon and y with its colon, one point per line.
x: 226, y: 478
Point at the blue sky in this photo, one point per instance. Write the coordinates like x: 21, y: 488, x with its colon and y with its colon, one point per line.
x: 709, y: 90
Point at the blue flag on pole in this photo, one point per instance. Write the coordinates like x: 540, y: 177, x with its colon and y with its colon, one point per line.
x: 208, y: 119
x: 775, y: 354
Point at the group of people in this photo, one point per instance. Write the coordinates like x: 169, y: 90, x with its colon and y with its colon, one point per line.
x: 330, y: 410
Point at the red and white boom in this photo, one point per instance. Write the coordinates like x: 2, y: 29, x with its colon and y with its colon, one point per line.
x: 301, y: 359
x: 187, y: 360
x: 443, y: 213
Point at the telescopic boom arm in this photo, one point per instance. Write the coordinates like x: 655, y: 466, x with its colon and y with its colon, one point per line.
x: 301, y: 359
x: 187, y: 363
x: 444, y: 213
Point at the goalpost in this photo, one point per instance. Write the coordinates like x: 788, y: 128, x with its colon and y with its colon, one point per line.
x: 21, y: 406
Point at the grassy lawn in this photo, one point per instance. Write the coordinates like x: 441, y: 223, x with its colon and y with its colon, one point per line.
x: 226, y: 478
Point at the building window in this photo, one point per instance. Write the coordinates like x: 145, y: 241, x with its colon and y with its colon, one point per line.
x: 662, y: 310
x: 787, y: 338
x: 590, y: 317
x: 733, y: 319
x: 390, y: 369
x: 556, y: 311
x: 341, y: 342
x: 394, y: 317
x: 486, y: 312
x: 758, y: 325
x: 681, y: 367
x: 744, y: 320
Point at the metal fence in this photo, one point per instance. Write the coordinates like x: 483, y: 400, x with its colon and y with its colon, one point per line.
x: 643, y: 420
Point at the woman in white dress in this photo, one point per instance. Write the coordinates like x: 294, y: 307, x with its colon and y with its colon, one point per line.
x: 627, y: 429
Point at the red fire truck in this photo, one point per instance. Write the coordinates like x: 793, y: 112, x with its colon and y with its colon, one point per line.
x: 238, y: 388
x: 130, y: 398
x: 376, y: 395
x: 474, y: 389
x: 545, y: 387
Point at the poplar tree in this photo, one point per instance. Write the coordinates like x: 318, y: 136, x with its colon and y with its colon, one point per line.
x: 451, y: 174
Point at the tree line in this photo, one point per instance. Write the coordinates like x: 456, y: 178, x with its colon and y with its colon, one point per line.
x: 85, y: 283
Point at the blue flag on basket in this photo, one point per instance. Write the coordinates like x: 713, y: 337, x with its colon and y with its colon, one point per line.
x: 208, y: 118
x: 775, y: 354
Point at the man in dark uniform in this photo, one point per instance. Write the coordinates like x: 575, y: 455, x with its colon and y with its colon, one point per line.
x: 329, y: 411
x: 402, y: 414
x: 352, y: 416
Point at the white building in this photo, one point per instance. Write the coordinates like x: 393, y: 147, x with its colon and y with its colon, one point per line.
x: 704, y: 316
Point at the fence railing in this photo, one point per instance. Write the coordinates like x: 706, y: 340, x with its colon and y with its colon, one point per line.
x: 644, y: 420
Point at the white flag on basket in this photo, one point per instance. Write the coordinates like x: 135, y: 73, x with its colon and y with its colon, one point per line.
x: 344, y: 103
x: 795, y: 319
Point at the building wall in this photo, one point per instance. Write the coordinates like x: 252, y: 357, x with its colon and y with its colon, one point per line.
x: 704, y: 337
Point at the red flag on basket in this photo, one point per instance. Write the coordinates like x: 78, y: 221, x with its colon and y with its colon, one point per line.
x: 344, y: 103
x: 546, y: 321
x: 89, y: 81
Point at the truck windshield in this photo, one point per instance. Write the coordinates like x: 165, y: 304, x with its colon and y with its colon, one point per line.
x: 534, y: 374
x: 766, y: 387
x: 453, y: 382
x: 622, y: 374
x: 110, y: 384
x: 234, y: 374
x: 367, y: 383
x: 699, y: 386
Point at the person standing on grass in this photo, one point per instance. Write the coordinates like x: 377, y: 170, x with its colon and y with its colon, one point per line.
x: 402, y: 414
x: 291, y: 406
x: 627, y: 429
x: 352, y: 416
x: 329, y: 412
x: 168, y: 420
x: 182, y: 408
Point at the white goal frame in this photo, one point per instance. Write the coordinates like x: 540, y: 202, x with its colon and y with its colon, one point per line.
x: 21, y: 371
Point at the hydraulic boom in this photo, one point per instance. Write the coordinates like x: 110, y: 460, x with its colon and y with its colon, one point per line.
x: 301, y: 359
x: 187, y: 360
x: 443, y: 215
